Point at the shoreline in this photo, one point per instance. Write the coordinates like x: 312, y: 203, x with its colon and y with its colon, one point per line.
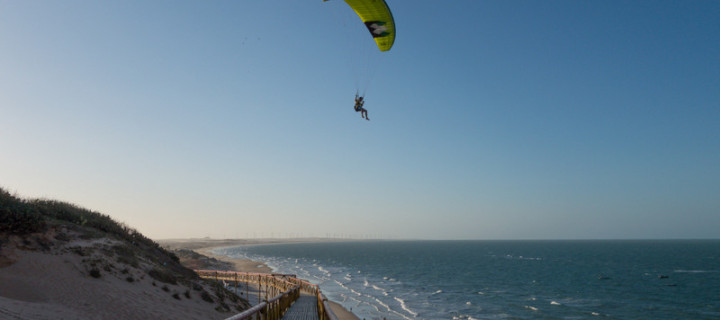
x: 206, y: 246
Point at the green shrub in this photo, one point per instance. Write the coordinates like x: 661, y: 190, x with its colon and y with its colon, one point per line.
x: 206, y: 296
x: 17, y: 216
x: 162, y: 276
x: 79, y: 251
x: 223, y: 307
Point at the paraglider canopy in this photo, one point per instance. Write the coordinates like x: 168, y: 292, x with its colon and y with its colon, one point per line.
x: 378, y: 19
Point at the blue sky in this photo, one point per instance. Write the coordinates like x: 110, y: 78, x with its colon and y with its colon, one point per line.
x: 490, y: 119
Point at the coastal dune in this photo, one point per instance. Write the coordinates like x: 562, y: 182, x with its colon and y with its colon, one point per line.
x: 60, y: 261
x: 61, y: 284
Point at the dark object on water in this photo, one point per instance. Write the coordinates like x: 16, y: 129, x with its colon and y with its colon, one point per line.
x: 602, y: 277
x: 662, y: 276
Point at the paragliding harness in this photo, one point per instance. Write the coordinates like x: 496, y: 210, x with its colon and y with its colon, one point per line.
x: 358, y: 103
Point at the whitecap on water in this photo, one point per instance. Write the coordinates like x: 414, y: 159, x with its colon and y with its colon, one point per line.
x: 405, y: 307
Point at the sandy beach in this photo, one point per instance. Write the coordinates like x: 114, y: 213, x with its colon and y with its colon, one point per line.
x: 206, y: 246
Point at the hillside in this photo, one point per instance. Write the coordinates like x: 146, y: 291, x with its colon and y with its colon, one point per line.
x: 58, y: 260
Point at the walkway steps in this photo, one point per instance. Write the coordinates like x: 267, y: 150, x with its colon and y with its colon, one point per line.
x: 305, y: 308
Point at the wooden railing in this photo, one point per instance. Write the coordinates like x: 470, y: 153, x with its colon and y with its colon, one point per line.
x: 279, y: 291
x: 326, y: 313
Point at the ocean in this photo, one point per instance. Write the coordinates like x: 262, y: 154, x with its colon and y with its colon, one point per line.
x: 507, y: 279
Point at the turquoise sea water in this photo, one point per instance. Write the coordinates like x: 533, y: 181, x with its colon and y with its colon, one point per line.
x: 508, y: 279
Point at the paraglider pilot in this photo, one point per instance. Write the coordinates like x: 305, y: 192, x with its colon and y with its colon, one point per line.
x: 359, y: 102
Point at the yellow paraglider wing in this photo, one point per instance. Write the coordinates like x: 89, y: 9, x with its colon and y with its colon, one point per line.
x: 378, y: 19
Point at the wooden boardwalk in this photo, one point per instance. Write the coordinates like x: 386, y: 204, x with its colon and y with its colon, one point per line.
x: 276, y: 294
x: 304, y: 308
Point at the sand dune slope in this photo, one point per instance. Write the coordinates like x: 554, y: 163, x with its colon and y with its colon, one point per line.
x: 80, y: 280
